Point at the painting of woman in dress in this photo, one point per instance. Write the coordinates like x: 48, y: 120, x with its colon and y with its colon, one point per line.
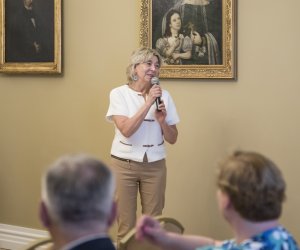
x: 29, y: 31
x: 190, y: 32
x: 173, y: 46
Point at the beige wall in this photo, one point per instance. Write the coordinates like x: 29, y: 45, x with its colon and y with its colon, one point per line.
x: 43, y: 117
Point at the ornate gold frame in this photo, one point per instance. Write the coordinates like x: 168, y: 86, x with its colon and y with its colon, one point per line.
x: 54, y: 67
x: 226, y: 70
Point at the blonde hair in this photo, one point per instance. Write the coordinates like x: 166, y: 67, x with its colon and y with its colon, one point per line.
x: 138, y: 56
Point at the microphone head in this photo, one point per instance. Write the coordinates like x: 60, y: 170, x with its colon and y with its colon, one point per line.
x: 154, y: 80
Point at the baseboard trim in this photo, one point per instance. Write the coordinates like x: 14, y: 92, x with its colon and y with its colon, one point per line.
x: 15, y: 237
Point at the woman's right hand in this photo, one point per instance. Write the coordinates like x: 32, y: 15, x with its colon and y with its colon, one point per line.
x: 176, y: 42
x: 149, y: 228
x: 154, y: 92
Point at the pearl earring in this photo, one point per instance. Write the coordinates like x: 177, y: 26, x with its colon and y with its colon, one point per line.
x: 135, y: 78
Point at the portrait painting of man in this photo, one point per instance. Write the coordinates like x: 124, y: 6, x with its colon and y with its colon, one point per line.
x: 29, y: 31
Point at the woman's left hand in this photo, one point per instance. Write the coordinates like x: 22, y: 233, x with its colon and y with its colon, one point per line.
x: 154, y: 92
x: 161, y: 114
x: 170, y: 132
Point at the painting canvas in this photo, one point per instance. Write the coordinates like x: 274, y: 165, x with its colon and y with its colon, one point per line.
x: 195, y: 38
x: 30, y: 36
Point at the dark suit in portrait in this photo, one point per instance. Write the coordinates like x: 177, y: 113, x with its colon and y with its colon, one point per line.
x: 27, y: 35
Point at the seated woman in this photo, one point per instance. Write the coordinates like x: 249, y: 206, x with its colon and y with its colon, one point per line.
x: 251, y: 190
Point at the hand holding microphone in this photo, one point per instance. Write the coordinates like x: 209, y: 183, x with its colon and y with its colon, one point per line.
x: 155, y: 80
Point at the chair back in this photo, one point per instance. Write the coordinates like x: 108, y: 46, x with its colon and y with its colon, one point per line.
x: 130, y: 243
x: 40, y: 244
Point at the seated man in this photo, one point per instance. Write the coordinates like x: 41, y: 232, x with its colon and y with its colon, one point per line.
x: 77, y: 204
x: 250, y: 193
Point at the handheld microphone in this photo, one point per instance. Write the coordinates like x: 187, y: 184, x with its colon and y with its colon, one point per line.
x: 155, y: 80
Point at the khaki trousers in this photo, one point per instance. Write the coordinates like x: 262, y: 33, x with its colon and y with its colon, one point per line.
x: 149, y: 178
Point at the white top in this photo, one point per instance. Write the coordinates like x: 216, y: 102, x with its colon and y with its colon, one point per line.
x: 148, y: 138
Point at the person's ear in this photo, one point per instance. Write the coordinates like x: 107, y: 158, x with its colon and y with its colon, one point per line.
x: 113, y: 214
x: 224, y: 200
x: 44, y: 215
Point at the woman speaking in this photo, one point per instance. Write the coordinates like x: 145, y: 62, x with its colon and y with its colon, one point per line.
x: 141, y: 129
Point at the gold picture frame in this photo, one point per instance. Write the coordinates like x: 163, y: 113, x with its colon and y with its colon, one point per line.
x: 30, y: 45
x: 212, y: 55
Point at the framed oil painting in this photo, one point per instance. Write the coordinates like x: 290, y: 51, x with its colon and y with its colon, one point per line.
x: 30, y: 36
x: 195, y: 38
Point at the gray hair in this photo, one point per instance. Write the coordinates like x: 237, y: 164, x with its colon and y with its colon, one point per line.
x: 138, y: 56
x: 78, y: 189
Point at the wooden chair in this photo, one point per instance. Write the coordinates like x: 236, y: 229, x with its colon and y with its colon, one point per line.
x: 130, y: 243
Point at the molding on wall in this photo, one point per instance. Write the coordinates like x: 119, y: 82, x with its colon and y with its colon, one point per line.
x: 15, y: 237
